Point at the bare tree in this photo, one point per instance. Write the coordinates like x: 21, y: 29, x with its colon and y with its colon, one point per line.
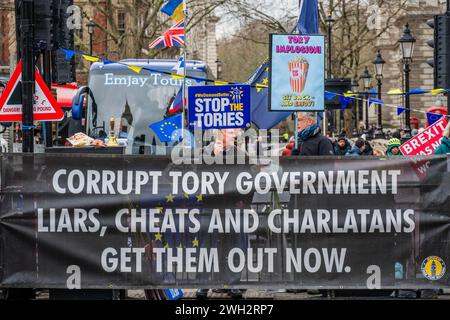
x: 144, y: 22
x: 358, y: 25
x: 270, y: 16
x: 240, y: 56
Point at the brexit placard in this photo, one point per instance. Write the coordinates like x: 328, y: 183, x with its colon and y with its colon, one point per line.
x: 296, y: 73
x: 219, y: 107
x: 426, y: 142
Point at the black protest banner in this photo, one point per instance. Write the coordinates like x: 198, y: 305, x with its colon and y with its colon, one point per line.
x: 91, y: 221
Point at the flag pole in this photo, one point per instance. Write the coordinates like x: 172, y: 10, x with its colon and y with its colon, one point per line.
x: 184, y: 72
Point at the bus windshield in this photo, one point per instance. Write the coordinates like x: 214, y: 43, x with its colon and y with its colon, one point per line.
x: 134, y: 101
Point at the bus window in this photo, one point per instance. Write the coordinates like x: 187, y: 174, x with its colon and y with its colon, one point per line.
x: 135, y: 101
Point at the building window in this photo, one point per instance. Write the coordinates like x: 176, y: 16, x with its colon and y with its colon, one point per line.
x: 121, y: 17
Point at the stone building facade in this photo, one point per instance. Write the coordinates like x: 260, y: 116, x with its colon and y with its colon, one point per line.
x: 416, y: 15
x: 7, y: 37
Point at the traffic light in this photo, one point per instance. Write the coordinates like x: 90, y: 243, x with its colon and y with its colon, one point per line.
x: 63, y: 69
x: 43, y: 24
x: 51, y: 33
x: 441, y: 45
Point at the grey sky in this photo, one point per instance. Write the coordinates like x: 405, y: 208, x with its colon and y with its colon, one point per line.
x: 277, y: 8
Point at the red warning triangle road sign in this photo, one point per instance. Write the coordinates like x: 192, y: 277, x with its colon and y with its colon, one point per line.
x: 45, y: 105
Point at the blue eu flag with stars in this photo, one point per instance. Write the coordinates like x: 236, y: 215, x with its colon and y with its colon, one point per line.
x: 433, y: 118
x: 164, y: 129
x: 308, y: 21
x: 261, y: 116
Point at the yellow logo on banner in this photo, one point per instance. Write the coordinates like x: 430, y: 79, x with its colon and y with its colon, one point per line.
x: 433, y: 268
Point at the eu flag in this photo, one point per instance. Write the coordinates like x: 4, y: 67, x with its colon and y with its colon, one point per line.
x: 261, y: 116
x: 433, y: 118
x: 308, y: 21
x: 164, y: 129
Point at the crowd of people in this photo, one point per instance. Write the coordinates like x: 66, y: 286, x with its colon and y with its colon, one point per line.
x: 311, y: 142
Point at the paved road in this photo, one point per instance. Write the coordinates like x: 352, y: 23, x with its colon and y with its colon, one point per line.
x: 262, y: 294
x: 248, y: 295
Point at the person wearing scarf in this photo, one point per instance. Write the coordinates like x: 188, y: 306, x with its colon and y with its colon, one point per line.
x: 311, y: 141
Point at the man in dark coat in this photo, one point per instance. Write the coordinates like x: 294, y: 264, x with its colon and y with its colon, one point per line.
x: 341, y: 146
x: 311, y: 141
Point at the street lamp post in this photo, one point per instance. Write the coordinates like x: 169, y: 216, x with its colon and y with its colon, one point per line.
x: 407, y: 42
x: 379, y: 64
x: 355, y: 131
x: 366, y: 77
x: 219, y: 69
x: 329, y: 21
x: 91, y: 25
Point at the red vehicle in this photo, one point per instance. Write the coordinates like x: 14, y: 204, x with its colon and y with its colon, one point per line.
x: 65, y: 94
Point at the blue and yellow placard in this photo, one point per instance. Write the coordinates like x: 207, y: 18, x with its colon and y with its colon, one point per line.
x: 219, y: 107
x: 297, y: 73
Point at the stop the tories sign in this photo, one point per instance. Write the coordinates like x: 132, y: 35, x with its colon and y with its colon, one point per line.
x: 426, y: 142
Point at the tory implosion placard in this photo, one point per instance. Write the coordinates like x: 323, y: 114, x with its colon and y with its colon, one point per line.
x: 297, y: 73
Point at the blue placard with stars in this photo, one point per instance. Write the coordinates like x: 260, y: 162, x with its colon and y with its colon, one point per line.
x: 219, y: 107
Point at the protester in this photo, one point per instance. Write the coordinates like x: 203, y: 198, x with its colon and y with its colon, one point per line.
x: 287, y: 151
x: 341, y: 146
x: 357, y: 149
x: 444, y: 147
x: 371, y: 131
x: 393, y: 147
x: 396, y: 134
x: 225, y: 145
x: 368, y: 150
x: 343, y: 133
x: 311, y: 141
x: 389, y: 134
x: 378, y: 152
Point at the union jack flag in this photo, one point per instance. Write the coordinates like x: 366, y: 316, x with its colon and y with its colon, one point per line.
x: 174, y: 37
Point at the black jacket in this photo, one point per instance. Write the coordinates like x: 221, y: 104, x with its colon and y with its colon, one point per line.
x: 317, y: 145
x: 341, y: 152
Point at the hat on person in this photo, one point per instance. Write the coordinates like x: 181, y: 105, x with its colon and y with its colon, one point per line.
x: 393, y: 143
x: 341, y: 138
